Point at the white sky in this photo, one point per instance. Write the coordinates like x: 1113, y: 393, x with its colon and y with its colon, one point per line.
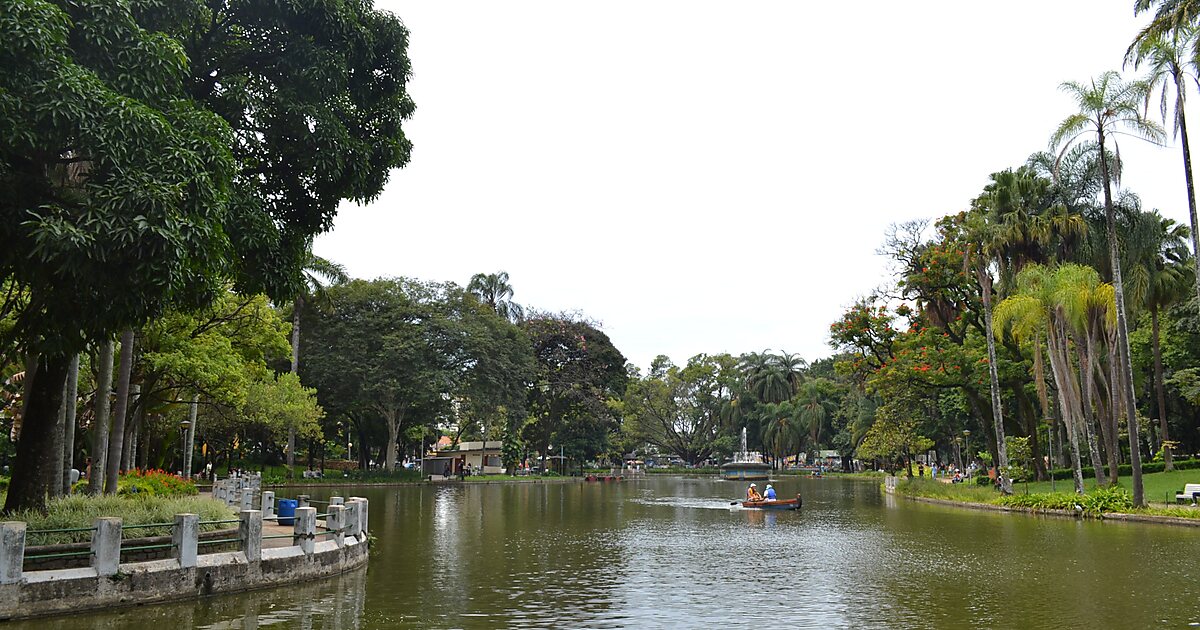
x: 717, y: 176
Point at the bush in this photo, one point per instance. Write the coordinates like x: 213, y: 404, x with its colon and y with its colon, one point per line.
x: 1040, y: 501
x: 155, y: 483
x: 1112, y: 499
x: 81, y: 510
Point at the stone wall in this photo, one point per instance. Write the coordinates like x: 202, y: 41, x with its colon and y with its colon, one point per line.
x: 186, y: 574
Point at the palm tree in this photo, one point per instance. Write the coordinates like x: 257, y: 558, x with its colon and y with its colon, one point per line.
x: 494, y: 290
x: 316, y: 275
x: 980, y: 258
x: 772, y: 378
x: 1109, y: 107
x: 1160, y: 276
x: 781, y: 430
x: 1171, y: 61
x: 1033, y: 313
x: 816, y: 406
x: 1169, y: 17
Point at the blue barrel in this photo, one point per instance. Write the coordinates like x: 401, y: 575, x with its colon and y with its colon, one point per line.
x: 287, y: 511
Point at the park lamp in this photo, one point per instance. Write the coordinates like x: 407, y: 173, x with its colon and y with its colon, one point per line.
x: 184, y: 425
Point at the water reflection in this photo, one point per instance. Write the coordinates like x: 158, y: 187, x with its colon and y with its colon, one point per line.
x: 337, y: 602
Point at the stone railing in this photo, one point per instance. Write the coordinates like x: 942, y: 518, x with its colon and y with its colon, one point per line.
x: 238, y: 491
x: 106, y: 581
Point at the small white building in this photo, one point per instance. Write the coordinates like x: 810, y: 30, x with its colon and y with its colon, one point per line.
x: 482, y: 456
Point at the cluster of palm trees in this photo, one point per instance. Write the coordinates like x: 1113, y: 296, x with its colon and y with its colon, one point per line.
x: 1036, y: 221
x: 789, y: 408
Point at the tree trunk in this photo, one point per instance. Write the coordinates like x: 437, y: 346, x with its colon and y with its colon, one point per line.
x: 193, y: 415
x: 1168, y: 466
x: 985, y: 283
x: 100, y: 419
x: 1191, y: 195
x: 116, y: 440
x: 54, y: 485
x: 1062, y: 376
x: 297, y: 306
x: 394, y: 417
x: 32, y: 472
x: 1135, y: 455
x: 1089, y: 422
x: 71, y: 403
x: 1107, y: 411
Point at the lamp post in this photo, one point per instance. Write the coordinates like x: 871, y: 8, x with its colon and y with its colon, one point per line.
x: 967, y: 439
x: 185, y: 454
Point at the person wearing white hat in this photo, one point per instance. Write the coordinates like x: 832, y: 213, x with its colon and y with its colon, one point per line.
x: 752, y: 493
x: 770, y: 494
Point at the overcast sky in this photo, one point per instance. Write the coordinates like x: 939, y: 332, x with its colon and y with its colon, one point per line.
x: 717, y: 176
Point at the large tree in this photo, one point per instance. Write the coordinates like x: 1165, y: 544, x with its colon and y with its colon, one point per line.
x: 578, y: 373
x: 678, y: 409
x: 1109, y: 107
x: 1170, y: 59
x: 153, y: 151
x: 411, y: 354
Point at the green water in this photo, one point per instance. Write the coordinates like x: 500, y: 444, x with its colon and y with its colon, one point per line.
x: 671, y: 552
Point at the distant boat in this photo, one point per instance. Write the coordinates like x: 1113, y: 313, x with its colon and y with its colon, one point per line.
x: 778, y: 504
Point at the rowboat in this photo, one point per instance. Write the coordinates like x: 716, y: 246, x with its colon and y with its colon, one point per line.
x: 778, y: 504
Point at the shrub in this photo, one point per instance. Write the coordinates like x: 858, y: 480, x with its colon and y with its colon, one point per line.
x: 1111, y: 499
x: 155, y: 483
x: 81, y: 510
x: 1040, y: 501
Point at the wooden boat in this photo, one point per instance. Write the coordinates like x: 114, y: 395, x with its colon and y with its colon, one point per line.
x: 778, y: 504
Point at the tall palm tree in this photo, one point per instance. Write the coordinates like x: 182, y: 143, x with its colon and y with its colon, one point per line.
x: 494, y: 290
x: 816, y: 406
x: 1160, y: 276
x: 316, y: 276
x: 772, y: 378
x: 1109, y: 107
x: 1170, y: 58
x: 1169, y: 16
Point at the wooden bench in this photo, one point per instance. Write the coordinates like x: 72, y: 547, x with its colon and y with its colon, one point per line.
x: 1189, y: 493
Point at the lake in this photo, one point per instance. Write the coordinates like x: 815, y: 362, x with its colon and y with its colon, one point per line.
x: 672, y: 552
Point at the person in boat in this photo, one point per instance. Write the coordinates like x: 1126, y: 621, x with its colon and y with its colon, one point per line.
x: 752, y: 493
x: 770, y: 494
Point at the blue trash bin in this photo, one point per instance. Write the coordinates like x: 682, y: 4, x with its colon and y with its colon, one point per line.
x: 287, y: 511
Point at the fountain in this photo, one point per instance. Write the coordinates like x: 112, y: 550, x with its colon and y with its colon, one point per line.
x: 746, y: 465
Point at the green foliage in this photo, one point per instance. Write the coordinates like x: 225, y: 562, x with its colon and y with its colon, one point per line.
x: 680, y: 409
x: 281, y: 403
x: 578, y: 371
x: 80, y: 510
x: 1111, y: 499
x: 1041, y: 501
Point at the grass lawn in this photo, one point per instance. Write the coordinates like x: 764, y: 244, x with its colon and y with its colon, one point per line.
x: 1160, y: 487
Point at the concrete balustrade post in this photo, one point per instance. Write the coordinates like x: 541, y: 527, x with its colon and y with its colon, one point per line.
x: 219, y: 489
x: 250, y: 531
x: 246, y: 501
x: 351, y: 518
x: 337, y: 501
x: 336, y: 521
x: 106, y: 545
x: 267, y: 504
x: 12, y: 551
x: 302, y: 500
x: 305, y: 531
x: 363, y: 520
x: 185, y: 537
